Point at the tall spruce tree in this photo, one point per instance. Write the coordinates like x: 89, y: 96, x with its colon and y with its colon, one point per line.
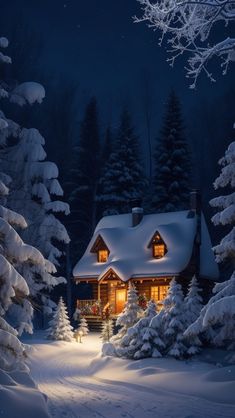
x: 123, y: 178
x: 106, y: 151
x: 171, y: 181
x: 107, y: 146
x: 83, y: 180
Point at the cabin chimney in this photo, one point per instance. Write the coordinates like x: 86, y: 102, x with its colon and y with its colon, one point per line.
x: 137, y: 212
x: 195, y: 201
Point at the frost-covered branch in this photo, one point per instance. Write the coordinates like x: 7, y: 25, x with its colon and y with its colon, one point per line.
x: 189, y: 27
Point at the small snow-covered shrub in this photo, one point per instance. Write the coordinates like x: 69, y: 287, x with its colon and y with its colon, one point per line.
x: 107, y: 330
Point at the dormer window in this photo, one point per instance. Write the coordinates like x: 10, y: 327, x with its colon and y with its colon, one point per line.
x: 100, y: 248
x: 158, y: 246
x: 102, y: 256
x: 158, y: 250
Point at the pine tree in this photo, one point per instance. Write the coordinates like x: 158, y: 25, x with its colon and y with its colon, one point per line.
x: 60, y: 328
x: 193, y: 302
x: 107, y: 146
x: 226, y: 206
x: 130, y: 314
x: 83, y: 180
x: 216, y: 322
x: 14, y: 253
x: 107, y: 149
x: 164, y: 336
x: 107, y: 330
x: 171, y: 181
x: 192, y: 308
x: 35, y: 183
x: 132, y: 342
x: 174, y: 321
x: 122, y: 179
x: 83, y: 326
x: 153, y: 338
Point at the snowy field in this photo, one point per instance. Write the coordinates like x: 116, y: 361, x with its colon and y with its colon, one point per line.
x: 79, y: 383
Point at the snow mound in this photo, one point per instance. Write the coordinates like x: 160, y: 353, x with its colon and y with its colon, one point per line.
x: 19, y: 397
x: 5, y: 379
x: 108, y: 349
x: 148, y: 371
x: 223, y: 374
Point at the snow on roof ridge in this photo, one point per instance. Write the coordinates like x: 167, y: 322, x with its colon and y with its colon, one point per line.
x: 129, y: 253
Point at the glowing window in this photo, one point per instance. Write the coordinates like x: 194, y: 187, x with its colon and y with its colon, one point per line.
x: 158, y: 293
x: 103, y: 256
x: 158, y: 250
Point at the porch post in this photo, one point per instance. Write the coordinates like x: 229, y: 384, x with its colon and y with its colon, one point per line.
x: 99, y: 291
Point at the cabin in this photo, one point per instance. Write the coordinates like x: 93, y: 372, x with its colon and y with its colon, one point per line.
x: 148, y: 250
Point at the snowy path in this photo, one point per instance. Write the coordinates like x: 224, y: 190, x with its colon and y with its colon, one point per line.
x: 64, y: 372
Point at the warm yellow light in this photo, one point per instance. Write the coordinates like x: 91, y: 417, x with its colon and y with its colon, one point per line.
x: 159, y: 250
x: 120, y: 295
x: 158, y: 293
x: 103, y: 256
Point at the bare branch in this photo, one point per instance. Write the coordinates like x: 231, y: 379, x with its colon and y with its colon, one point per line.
x: 188, y: 24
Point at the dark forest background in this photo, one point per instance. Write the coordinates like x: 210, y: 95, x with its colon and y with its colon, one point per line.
x: 82, y: 131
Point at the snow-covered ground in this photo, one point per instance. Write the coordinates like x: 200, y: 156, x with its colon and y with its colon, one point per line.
x: 19, y: 397
x: 80, y: 383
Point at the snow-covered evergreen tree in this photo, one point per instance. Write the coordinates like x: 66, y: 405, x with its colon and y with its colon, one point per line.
x: 226, y: 206
x: 130, y: 314
x: 83, y: 326
x: 132, y: 342
x: 164, y: 336
x: 123, y: 176
x: 192, y: 308
x: 83, y: 179
x: 59, y: 326
x: 107, y: 147
x: 35, y: 183
x: 171, y: 180
x: 193, y: 302
x: 174, y: 321
x: 216, y: 322
x: 106, y: 151
x: 14, y: 253
x: 107, y: 330
x: 153, y: 338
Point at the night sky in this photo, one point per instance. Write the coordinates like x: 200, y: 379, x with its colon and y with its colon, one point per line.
x: 96, y: 44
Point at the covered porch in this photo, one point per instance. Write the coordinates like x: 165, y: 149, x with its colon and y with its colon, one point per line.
x: 110, y: 294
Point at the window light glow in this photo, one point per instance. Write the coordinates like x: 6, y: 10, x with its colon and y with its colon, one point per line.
x: 158, y: 293
x: 103, y: 256
x: 158, y: 250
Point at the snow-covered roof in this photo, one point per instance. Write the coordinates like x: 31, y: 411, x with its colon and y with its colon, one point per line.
x: 130, y: 256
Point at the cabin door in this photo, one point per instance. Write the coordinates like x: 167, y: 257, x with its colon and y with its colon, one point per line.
x: 120, y: 299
